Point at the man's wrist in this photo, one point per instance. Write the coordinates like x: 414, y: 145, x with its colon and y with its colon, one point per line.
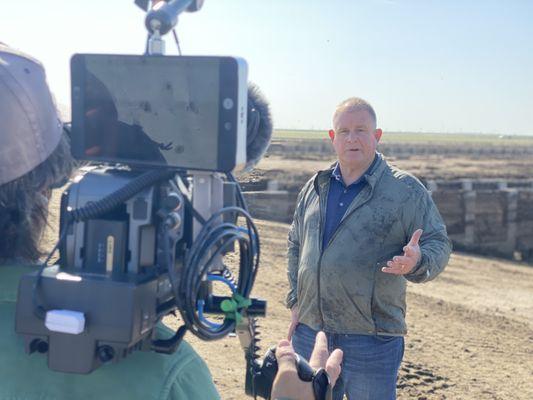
x: 419, y: 268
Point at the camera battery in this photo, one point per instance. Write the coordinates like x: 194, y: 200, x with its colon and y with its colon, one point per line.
x: 105, y: 246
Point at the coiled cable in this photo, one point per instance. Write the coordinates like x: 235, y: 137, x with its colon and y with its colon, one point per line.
x: 214, y: 239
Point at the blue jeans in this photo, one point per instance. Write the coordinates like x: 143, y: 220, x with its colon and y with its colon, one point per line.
x: 370, y: 362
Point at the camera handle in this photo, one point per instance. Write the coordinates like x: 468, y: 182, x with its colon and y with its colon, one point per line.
x: 260, y: 376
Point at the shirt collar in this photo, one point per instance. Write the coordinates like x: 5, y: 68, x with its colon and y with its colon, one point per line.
x: 337, y: 172
x: 338, y: 175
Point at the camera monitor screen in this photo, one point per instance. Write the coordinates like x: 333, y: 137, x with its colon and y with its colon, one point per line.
x: 175, y: 111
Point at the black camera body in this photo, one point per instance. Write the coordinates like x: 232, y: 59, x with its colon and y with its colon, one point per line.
x: 111, y: 275
x: 134, y: 248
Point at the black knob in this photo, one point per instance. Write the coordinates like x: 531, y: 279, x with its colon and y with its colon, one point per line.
x: 39, y: 346
x: 105, y: 353
x: 172, y: 201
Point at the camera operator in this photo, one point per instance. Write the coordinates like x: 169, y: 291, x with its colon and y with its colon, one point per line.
x: 35, y: 157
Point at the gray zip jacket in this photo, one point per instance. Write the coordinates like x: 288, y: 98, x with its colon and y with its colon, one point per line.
x: 341, y: 288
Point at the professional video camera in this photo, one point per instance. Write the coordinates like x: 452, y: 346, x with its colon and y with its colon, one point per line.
x: 146, y: 227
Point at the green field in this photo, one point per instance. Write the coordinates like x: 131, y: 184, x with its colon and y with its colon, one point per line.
x: 478, y: 138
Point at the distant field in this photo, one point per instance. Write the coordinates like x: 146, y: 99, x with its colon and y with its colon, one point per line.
x: 420, y: 137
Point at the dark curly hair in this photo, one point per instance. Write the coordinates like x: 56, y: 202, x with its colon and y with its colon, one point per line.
x: 24, y: 205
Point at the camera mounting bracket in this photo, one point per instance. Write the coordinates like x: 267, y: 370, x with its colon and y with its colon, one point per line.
x: 162, y: 18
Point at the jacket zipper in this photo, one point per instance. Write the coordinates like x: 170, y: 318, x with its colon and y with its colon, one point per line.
x: 320, y: 233
x: 327, y: 244
x: 322, y: 205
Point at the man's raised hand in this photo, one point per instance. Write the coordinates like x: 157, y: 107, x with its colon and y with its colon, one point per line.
x: 404, y: 264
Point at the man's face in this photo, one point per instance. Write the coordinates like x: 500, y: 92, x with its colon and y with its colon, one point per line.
x: 355, y: 138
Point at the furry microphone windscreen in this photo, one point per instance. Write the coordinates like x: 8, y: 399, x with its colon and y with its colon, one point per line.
x: 259, y: 126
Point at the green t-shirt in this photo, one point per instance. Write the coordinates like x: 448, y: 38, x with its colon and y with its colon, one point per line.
x: 142, y: 375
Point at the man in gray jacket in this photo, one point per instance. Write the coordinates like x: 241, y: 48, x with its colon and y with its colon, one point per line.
x: 361, y: 229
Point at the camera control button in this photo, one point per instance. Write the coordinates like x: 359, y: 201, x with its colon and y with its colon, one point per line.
x: 227, y: 103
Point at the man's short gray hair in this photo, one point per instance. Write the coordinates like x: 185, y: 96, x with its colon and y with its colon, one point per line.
x: 352, y: 104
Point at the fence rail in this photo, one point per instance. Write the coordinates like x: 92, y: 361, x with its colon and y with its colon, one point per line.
x: 398, y: 149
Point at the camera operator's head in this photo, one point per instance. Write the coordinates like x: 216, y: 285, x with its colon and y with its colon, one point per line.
x: 34, y: 154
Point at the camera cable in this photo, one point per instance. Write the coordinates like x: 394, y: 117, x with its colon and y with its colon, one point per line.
x: 213, y: 240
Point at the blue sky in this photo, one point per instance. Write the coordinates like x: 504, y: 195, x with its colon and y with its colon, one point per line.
x: 433, y: 66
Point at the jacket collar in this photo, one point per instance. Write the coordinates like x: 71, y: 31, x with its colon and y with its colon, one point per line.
x: 322, y: 178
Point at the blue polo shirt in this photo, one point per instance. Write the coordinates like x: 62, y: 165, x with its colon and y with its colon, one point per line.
x: 340, y: 197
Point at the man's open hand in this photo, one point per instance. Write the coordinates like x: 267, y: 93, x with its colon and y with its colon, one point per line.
x: 401, y: 265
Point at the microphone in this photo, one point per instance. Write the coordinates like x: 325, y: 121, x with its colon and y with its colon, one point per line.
x: 259, y: 126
